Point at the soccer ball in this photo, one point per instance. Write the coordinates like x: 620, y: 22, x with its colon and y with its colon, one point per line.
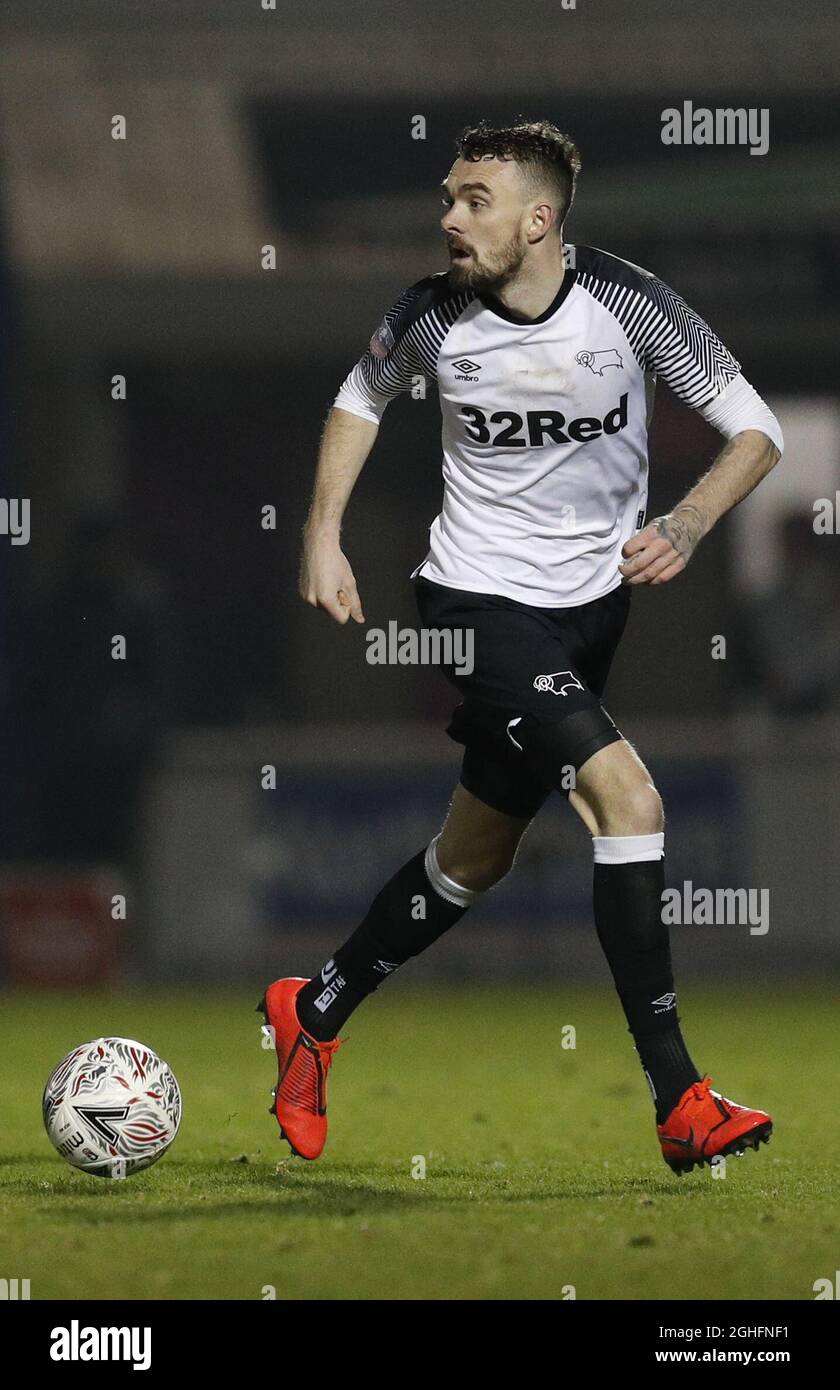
x: 112, y: 1107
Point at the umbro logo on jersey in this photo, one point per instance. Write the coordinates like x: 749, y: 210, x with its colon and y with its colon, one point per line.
x: 665, y: 1002
x: 465, y: 369
x: 597, y: 361
x: 559, y: 683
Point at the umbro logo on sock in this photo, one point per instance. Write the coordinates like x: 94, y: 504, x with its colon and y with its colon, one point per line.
x: 665, y: 1002
x: 384, y: 967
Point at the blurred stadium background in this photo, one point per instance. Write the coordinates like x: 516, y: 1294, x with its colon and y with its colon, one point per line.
x: 293, y: 128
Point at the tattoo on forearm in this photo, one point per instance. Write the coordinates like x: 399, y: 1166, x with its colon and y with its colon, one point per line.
x: 683, y: 527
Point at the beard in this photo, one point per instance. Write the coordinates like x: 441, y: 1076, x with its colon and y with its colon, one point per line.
x: 495, y: 270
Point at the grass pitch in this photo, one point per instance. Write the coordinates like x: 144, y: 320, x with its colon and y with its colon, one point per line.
x: 542, y: 1166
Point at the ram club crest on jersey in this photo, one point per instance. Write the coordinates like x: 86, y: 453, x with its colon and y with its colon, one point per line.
x: 597, y: 361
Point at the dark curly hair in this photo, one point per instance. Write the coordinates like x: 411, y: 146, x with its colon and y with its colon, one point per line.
x: 547, y: 157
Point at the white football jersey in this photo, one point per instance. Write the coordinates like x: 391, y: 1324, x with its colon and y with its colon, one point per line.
x: 544, y: 423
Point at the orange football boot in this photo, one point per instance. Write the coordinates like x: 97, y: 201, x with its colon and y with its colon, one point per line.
x: 704, y: 1124
x: 300, y: 1096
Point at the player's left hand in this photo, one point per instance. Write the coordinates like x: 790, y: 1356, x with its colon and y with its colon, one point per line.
x: 662, y: 550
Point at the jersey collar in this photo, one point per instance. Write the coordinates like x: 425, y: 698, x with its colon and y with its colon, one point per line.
x: 496, y: 307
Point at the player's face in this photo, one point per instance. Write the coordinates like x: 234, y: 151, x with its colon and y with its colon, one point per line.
x: 486, y: 214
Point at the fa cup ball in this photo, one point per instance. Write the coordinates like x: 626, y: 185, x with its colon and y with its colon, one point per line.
x: 112, y: 1107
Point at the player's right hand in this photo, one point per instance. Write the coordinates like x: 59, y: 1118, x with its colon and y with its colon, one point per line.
x: 327, y: 581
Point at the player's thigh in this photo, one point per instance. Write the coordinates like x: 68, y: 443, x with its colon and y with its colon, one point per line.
x: 529, y: 715
x: 615, y: 794
x: 477, y: 839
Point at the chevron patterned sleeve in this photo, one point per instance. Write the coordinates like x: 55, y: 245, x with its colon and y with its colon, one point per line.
x: 681, y: 348
x: 390, y: 364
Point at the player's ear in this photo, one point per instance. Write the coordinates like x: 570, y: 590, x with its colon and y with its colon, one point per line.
x: 543, y: 217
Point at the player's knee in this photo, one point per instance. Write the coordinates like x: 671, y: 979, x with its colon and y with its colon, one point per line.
x: 476, y: 867
x: 644, y: 810
x: 635, y: 809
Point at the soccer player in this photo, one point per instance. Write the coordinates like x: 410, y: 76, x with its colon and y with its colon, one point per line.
x: 545, y: 356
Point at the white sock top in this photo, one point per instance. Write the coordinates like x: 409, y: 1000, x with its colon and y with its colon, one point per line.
x: 628, y: 849
x: 445, y: 886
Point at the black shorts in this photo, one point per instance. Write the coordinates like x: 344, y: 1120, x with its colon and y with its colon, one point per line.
x: 551, y: 663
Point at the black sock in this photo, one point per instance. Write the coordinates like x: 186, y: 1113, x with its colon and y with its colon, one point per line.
x: 628, y: 919
x: 405, y: 917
